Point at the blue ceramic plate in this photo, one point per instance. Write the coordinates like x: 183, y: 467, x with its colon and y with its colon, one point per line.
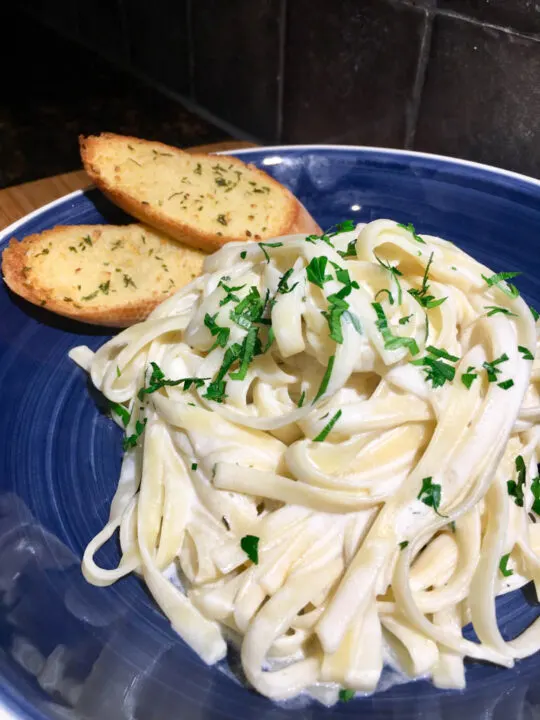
x: 69, y: 650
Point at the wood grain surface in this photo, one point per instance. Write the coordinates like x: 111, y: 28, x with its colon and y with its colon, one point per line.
x: 18, y: 201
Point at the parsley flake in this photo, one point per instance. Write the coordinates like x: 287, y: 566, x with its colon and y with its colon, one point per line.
x: 410, y: 228
x: 421, y: 296
x: 220, y: 333
x: 391, y: 341
x: 515, y: 487
x: 316, y: 271
x: 430, y: 494
x: 131, y: 441
x: 264, y: 245
x: 492, y: 369
x: 503, y: 566
x: 345, y: 695
x: 494, y: 309
x: 467, y: 378
x: 527, y: 354
x: 403, y: 544
x: 122, y: 413
x: 283, y: 286
x: 327, y: 428
x: 499, y: 280
x: 250, y: 545
x: 326, y: 379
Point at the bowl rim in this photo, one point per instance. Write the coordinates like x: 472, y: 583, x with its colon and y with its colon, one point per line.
x: 276, y: 149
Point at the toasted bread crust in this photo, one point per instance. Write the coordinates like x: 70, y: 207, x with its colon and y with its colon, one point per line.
x: 15, y: 269
x: 295, y: 219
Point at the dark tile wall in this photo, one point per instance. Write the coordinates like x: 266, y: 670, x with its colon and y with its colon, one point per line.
x: 460, y: 77
x: 236, y: 61
x: 481, y: 98
x: 158, y: 37
x: 340, y: 61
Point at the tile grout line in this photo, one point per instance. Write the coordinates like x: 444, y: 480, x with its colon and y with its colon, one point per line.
x: 413, y: 106
x: 535, y: 37
x: 191, y: 50
x: 281, y: 69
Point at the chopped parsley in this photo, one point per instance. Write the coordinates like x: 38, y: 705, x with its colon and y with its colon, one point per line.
x: 421, y: 296
x: 326, y: 379
x: 264, y: 245
x: 229, y: 293
x: 247, y: 352
x: 128, y: 281
x: 527, y: 354
x: 220, y: 333
x: 122, y: 413
x: 467, y: 378
x: 430, y: 494
x: 392, y: 342
x: 158, y: 381
x: 316, y: 271
x: 494, y: 309
x: 283, y: 286
x: 395, y: 273
x: 534, y: 313
x: 337, y: 307
x: 301, y: 399
x: 506, y: 384
x: 194, y: 466
x: 535, y: 489
x: 503, y: 566
x: 216, y: 389
x: 350, y: 251
x: 243, y: 254
x: 435, y: 368
x: 345, y: 695
x: 492, y: 369
x: 499, y: 280
x: 405, y: 320
x: 250, y: 545
x: 130, y: 441
x: 403, y: 544
x: 410, y: 228
x: 515, y: 487
x: 390, y: 298
x: 327, y: 428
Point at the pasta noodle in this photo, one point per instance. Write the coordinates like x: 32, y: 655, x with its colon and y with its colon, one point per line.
x: 333, y: 442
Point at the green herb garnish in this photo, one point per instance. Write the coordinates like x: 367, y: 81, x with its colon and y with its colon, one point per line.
x: 469, y: 377
x: 395, y: 273
x: 534, y: 313
x: 403, y: 544
x: 515, y: 487
x: 158, y: 381
x: 498, y: 280
x: 325, y: 380
x: 494, y: 309
x: 345, y: 695
x: 527, y: 354
x: 410, y: 227
x: 492, y: 369
x: 131, y: 441
x: 430, y: 494
x: 220, y: 333
x: 502, y: 566
x: 302, y: 398
x: 229, y: 293
x: 506, y: 384
x: 122, y: 413
x: 194, y: 466
x: 250, y: 545
x: 283, y: 286
x: 421, y: 296
x: 327, y: 428
x: 316, y: 271
x: 264, y: 245
x: 392, y: 342
x: 390, y: 298
x: 405, y: 320
x: 436, y: 369
x: 535, y: 489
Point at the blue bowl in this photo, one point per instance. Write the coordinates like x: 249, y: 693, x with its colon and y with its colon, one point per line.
x: 69, y: 650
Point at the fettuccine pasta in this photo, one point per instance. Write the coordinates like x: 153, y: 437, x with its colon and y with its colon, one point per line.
x: 332, y: 444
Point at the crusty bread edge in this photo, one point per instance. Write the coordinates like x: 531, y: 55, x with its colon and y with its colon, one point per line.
x: 13, y: 265
x: 297, y: 220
